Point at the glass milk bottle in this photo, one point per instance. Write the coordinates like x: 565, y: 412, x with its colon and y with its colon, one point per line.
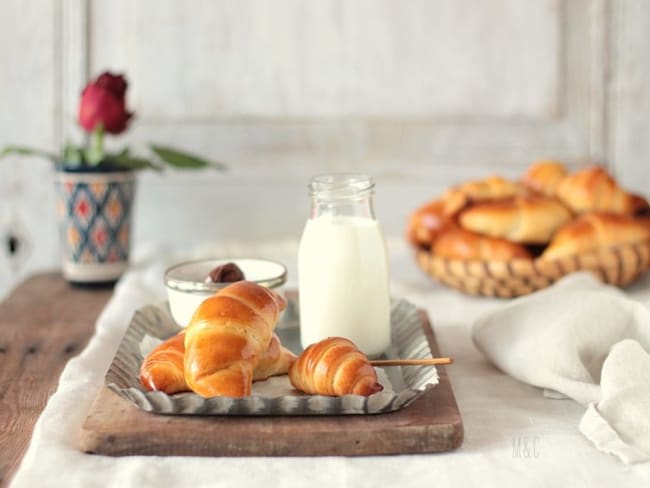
x: 343, y: 266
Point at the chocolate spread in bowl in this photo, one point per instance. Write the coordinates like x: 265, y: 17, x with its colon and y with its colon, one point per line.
x: 225, y: 273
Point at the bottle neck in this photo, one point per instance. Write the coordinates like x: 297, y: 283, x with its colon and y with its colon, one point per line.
x: 359, y: 206
x: 344, y: 194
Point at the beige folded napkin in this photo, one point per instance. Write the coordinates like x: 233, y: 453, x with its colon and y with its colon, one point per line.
x: 586, y: 341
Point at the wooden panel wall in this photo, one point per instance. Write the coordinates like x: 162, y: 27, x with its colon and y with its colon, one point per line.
x: 30, y: 114
x: 629, y: 93
x: 419, y: 94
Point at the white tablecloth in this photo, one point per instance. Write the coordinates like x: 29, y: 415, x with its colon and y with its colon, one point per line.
x: 514, y: 436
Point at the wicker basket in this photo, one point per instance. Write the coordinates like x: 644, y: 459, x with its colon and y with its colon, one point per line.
x: 619, y: 266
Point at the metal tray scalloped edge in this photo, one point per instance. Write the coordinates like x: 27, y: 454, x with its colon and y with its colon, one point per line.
x: 408, y: 338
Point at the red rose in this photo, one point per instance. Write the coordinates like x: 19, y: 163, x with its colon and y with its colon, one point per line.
x: 104, y: 102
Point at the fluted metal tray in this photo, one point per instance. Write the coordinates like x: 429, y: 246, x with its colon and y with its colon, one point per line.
x: 275, y: 396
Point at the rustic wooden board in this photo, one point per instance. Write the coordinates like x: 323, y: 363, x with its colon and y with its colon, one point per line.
x: 43, y: 323
x: 430, y: 424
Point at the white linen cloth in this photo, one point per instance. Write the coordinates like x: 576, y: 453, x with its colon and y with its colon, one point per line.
x: 588, y: 342
x: 513, y: 435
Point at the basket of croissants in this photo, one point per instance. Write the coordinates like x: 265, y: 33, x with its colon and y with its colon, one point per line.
x: 502, y: 238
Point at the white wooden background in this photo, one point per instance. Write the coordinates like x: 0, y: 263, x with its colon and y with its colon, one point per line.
x: 419, y: 94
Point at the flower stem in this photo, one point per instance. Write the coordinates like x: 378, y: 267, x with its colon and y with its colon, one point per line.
x: 95, y: 153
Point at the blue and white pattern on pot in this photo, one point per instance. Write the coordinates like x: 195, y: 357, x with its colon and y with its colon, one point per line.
x: 95, y: 220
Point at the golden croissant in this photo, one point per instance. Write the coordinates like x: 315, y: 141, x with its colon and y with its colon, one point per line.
x: 596, y: 230
x: 334, y: 367
x: 489, y: 189
x: 426, y: 223
x: 529, y: 219
x: 227, y: 337
x: 162, y: 369
x: 545, y: 177
x: 275, y: 361
x: 458, y: 243
x: 594, y: 189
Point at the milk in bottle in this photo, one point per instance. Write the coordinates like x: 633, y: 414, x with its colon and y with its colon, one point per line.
x: 342, y: 266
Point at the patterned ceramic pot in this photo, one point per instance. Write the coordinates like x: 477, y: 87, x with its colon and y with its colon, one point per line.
x: 94, y: 211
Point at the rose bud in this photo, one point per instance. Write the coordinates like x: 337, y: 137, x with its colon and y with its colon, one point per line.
x: 103, y: 101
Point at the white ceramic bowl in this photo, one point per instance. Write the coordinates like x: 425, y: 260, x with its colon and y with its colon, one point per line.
x: 187, y: 288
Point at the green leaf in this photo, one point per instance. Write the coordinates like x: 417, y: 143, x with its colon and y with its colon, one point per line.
x: 123, y: 153
x: 132, y: 162
x: 27, y: 151
x: 72, y: 155
x: 183, y: 160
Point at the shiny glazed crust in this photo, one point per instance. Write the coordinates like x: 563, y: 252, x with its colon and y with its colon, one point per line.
x: 481, y: 249
x: 275, y: 361
x: 596, y: 230
x: 544, y: 177
x: 594, y: 189
x: 530, y: 219
x: 226, y: 338
x: 491, y: 188
x: 162, y: 369
x: 458, y: 243
x: 334, y: 367
x: 425, y: 224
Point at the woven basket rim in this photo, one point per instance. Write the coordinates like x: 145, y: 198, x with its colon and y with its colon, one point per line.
x: 570, y: 257
x: 618, y: 265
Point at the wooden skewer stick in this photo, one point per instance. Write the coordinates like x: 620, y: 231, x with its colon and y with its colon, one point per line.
x: 411, y: 362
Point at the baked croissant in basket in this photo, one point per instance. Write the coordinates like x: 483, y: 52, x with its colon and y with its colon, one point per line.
x: 544, y: 177
x: 333, y: 367
x: 530, y: 219
x: 458, y: 243
x: 488, y: 189
x: 594, y: 189
x: 227, y: 337
x: 597, y: 230
x: 426, y: 222
x: 162, y: 369
x: 497, y: 237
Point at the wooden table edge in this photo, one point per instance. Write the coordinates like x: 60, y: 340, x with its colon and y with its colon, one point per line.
x: 44, y: 322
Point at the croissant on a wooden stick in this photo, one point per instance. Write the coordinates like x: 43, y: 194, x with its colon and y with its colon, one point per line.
x: 333, y: 367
